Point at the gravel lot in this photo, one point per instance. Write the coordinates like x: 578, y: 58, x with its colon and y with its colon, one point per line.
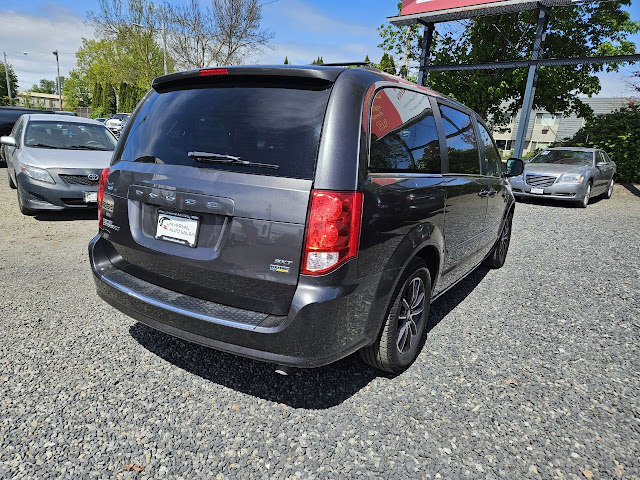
x: 531, y: 371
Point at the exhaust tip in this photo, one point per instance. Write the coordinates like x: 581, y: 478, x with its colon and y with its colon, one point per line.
x: 284, y: 370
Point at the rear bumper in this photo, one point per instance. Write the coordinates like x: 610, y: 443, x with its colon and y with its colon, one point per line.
x: 557, y: 191
x: 325, y: 323
x: 38, y: 195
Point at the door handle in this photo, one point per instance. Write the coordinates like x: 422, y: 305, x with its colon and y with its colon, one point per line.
x: 483, y: 193
x: 492, y: 192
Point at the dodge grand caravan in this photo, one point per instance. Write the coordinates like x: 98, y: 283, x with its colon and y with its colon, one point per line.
x: 296, y: 215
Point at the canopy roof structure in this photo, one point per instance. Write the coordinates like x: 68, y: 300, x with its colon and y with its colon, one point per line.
x: 436, y: 11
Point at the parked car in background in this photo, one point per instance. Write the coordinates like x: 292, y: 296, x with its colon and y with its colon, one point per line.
x: 299, y: 216
x: 115, y: 122
x: 64, y: 112
x: 55, y: 161
x: 101, y: 120
x: 117, y: 130
x: 567, y: 173
x: 8, y: 117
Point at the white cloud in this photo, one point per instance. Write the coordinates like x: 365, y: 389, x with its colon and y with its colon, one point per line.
x: 39, y: 35
x: 619, y: 84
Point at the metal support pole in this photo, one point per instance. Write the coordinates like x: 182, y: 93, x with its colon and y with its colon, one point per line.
x: 164, y: 48
x: 427, y: 39
x: 532, y: 80
x: 6, y: 72
x: 55, y: 52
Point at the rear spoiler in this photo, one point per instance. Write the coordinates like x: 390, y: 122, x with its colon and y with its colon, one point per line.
x: 282, y: 73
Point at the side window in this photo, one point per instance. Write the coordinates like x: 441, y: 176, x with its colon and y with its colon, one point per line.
x: 461, y: 141
x: 491, y: 163
x: 403, y: 133
x: 601, y: 157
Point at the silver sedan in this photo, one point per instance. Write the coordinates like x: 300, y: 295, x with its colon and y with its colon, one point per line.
x: 566, y: 173
x: 54, y: 161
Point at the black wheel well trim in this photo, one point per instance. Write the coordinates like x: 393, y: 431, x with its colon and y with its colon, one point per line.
x: 434, y: 243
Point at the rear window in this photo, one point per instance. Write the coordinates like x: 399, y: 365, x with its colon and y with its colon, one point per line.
x: 269, y: 125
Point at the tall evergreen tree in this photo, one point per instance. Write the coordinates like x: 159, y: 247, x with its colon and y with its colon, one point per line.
x: 286, y: 60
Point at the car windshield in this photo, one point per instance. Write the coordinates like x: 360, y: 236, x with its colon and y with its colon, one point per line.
x: 119, y: 116
x: 69, y: 136
x: 564, y: 157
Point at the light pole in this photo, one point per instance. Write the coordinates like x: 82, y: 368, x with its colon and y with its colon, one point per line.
x: 164, y: 44
x: 6, y: 72
x: 55, y: 52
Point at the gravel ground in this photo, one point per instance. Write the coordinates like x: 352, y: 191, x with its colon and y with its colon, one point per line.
x: 530, y: 371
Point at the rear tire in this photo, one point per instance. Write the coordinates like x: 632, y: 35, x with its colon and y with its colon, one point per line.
x: 24, y: 210
x: 11, y: 184
x: 401, y: 339
x: 498, y: 255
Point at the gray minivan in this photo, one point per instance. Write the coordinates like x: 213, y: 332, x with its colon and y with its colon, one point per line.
x: 296, y: 215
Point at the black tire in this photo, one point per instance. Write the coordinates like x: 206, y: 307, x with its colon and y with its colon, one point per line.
x: 24, y: 210
x: 499, y: 253
x: 390, y: 353
x: 609, y: 191
x: 11, y: 184
x: 587, y: 196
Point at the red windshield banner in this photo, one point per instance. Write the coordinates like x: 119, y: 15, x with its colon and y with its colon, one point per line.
x: 422, y: 6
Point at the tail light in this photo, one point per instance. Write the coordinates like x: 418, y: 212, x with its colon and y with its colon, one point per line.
x: 101, y: 184
x: 333, y: 230
x: 213, y: 71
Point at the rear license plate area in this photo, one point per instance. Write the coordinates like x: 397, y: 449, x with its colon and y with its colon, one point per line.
x: 176, y: 227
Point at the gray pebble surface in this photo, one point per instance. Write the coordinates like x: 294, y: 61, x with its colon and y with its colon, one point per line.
x: 529, y: 371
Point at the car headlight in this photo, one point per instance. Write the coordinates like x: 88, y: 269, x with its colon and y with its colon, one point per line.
x: 36, y: 173
x: 572, y: 178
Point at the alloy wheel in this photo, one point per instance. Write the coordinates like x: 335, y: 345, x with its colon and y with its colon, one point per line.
x: 505, y: 237
x: 411, y: 314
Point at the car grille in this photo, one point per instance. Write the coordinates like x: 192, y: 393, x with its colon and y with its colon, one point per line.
x: 540, y: 180
x: 78, y: 180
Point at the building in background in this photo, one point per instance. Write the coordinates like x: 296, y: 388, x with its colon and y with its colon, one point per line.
x: 545, y: 128
x: 45, y: 101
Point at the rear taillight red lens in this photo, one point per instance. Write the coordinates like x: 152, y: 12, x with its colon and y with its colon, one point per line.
x: 333, y: 230
x: 101, y: 184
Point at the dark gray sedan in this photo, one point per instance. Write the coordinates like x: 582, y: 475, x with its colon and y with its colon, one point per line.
x: 566, y: 173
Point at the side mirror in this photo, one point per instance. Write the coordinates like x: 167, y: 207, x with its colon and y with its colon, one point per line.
x: 602, y: 164
x: 515, y: 167
x: 8, y: 141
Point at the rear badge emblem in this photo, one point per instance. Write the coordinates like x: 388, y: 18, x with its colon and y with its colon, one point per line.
x: 280, y: 266
x: 93, y: 177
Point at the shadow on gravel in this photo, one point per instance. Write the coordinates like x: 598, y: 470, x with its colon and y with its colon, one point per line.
x: 317, y: 388
x: 68, y: 215
x: 632, y: 189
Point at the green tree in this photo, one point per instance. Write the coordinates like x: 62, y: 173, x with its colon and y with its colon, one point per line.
x: 286, y: 60
x: 581, y: 30
x: 366, y: 59
x: 618, y: 134
x: 318, y: 61
x: 13, y: 80
x: 404, y: 43
x: 45, y: 86
x: 76, y: 90
x: 387, y: 64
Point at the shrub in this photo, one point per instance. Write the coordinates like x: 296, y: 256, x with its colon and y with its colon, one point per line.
x: 618, y: 134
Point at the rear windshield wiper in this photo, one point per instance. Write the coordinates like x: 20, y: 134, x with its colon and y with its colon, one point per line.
x: 228, y: 159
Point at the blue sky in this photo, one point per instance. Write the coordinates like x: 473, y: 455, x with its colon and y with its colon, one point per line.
x: 304, y: 29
